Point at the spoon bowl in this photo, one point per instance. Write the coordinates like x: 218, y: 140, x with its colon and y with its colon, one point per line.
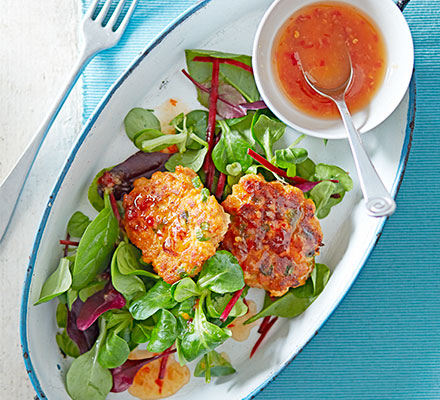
x: 378, y: 201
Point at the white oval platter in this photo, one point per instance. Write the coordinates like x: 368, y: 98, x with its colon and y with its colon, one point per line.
x: 154, y: 78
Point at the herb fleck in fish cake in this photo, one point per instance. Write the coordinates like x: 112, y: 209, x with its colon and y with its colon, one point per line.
x: 175, y: 221
x: 273, y: 233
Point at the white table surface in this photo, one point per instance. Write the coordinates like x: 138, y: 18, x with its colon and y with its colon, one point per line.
x: 37, y: 48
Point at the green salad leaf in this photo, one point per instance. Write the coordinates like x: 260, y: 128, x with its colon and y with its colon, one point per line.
x: 232, y: 148
x: 86, y: 377
x: 128, y: 285
x: 184, y: 289
x: 139, y: 119
x: 67, y: 345
x: 296, y: 300
x: 57, y: 283
x: 128, y: 260
x: 164, y: 333
x: 114, y: 351
x: 221, y: 273
x: 77, y: 224
x: 201, y: 336
x: 159, y: 296
x: 213, y: 364
x: 237, y: 77
x: 95, y: 248
x: 267, y: 131
x: 93, y: 195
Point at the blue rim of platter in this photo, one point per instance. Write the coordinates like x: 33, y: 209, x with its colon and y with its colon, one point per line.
x: 28, y: 279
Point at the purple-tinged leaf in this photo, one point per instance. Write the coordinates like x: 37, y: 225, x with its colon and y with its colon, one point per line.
x: 83, y: 339
x: 256, y: 105
x: 121, y: 177
x: 107, y: 299
x: 123, y: 375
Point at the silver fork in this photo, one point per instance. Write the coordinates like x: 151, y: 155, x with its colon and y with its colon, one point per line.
x: 95, y: 37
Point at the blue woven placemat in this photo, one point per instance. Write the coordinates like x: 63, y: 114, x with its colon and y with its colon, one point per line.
x: 383, y: 342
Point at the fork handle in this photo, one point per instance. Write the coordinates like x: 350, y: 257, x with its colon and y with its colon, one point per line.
x: 378, y: 201
x: 12, y: 186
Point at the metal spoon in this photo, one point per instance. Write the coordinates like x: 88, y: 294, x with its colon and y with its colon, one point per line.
x: 378, y: 201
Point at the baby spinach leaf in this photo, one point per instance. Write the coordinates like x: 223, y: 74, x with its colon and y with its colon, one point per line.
x: 321, y: 195
x: 190, y: 158
x: 267, y: 131
x: 92, y: 288
x: 67, y: 345
x: 242, y: 80
x: 114, y: 351
x: 77, y: 224
x: 128, y: 261
x: 151, y: 140
x: 141, y: 332
x: 306, y: 169
x: 71, y: 296
x: 184, y: 312
x: 93, y: 194
x: 213, y: 364
x: 95, y: 248
x: 216, y: 304
x: 195, y: 122
x: 57, y: 283
x: 128, y: 285
x: 87, y: 378
x: 159, y: 296
x: 292, y: 155
x: 221, y: 273
x: 324, y: 172
x: 201, y: 336
x: 184, y: 289
x: 296, y: 300
x: 233, y: 145
x: 164, y: 333
x: 61, y: 315
x: 139, y: 119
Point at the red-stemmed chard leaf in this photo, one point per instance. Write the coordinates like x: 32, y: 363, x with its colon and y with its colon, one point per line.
x: 301, y: 183
x: 231, y: 304
x: 256, y: 105
x: 107, y: 299
x: 263, y: 332
x: 68, y: 243
x: 225, y: 61
x: 123, y: 375
x: 230, y: 101
x: 83, y: 339
x: 210, y: 131
x: 220, y: 186
x: 121, y: 177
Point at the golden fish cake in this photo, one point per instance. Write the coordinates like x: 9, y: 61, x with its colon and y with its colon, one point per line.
x: 175, y: 221
x: 274, y: 233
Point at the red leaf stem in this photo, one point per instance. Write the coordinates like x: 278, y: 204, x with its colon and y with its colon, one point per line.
x: 231, y: 304
x: 210, y: 131
x: 163, y: 367
x: 68, y: 243
x: 263, y: 335
x: 263, y: 324
x: 123, y: 375
x: 220, y: 186
x: 229, y: 61
x: 301, y: 183
x: 237, y: 108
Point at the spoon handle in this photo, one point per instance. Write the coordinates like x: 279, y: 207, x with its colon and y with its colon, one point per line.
x: 378, y: 201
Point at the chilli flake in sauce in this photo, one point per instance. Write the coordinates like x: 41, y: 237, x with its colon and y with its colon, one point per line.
x: 315, y: 34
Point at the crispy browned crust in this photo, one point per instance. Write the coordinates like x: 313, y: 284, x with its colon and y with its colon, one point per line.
x: 273, y: 233
x: 174, y: 226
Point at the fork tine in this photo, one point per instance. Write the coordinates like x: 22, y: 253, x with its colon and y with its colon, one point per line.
x: 91, y: 10
x: 127, y: 17
x: 112, y: 21
x: 104, y: 10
